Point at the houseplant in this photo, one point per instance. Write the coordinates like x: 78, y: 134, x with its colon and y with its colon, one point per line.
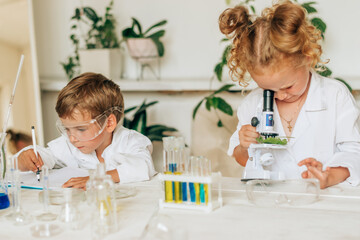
x: 212, y: 101
x: 142, y: 44
x: 100, y: 34
x: 138, y: 121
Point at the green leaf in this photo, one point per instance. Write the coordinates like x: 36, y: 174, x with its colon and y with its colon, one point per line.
x: 127, y: 123
x: 226, y: 54
x: 214, y: 102
x: 129, y: 109
x: 225, y: 87
x: 228, y: 2
x: 158, y: 34
x: 223, y: 106
x: 129, y: 33
x: 158, y: 130
x: 220, y: 124
x: 326, y: 73
x: 344, y: 82
x: 91, y: 14
x: 208, y: 103
x: 218, y: 71
x: 252, y: 9
x: 137, y: 24
x: 161, y: 23
x: 159, y: 46
x: 77, y: 15
x: 197, y: 108
x: 319, y: 24
x: 145, y: 105
x: 310, y: 9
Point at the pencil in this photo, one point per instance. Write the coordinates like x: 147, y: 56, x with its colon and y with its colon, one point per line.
x: 35, y: 151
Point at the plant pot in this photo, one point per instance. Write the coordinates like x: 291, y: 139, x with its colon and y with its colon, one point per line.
x: 142, y: 49
x: 108, y: 62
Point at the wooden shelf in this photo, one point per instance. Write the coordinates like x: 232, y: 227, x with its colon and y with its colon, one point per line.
x: 171, y: 85
x: 164, y: 85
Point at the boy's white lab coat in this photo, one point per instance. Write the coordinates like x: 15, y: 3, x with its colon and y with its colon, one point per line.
x: 129, y: 153
x: 326, y: 129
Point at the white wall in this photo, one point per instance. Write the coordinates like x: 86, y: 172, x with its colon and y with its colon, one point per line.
x: 192, y: 36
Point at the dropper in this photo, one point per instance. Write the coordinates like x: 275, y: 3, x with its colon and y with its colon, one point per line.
x: 11, y: 101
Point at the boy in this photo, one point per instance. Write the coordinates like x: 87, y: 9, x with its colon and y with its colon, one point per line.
x: 90, y: 108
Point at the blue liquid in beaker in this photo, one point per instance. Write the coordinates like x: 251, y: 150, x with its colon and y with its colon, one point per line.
x: 4, y: 201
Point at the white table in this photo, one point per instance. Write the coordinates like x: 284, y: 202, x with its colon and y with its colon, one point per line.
x: 335, y: 216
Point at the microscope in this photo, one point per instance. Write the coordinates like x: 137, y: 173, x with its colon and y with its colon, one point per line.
x: 260, y: 155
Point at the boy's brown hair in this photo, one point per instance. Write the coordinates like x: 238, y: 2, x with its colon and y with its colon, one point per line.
x: 92, y: 93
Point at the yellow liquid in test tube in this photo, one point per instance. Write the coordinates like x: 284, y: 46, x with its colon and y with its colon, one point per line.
x: 197, y: 193
x: 178, y: 192
x: 206, y: 188
x: 168, y: 190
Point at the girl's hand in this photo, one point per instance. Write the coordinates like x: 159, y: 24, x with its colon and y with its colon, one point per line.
x: 247, y: 136
x: 77, y: 182
x: 27, y: 161
x: 314, y: 170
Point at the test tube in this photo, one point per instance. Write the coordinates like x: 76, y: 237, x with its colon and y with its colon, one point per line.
x: 17, y: 215
x: 191, y: 184
x: 178, y: 150
x: 205, y: 172
x: 47, y: 215
x: 185, y: 170
x: 167, y: 165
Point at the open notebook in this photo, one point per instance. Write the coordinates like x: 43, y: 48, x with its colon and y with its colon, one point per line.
x: 57, y: 177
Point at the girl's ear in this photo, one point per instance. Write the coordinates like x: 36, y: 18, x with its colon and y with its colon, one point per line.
x: 111, y: 123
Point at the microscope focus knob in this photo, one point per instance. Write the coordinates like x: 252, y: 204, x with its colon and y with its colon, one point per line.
x: 254, y: 121
x: 267, y: 159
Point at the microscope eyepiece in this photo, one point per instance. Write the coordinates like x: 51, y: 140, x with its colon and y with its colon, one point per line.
x: 268, y: 105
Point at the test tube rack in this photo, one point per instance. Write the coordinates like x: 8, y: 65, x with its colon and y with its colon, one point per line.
x: 209, y: 205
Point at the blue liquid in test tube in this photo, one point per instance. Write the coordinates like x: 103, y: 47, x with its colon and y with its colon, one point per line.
x: 4, y: 201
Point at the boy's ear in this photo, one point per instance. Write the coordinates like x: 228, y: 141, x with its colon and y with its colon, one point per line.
x: 111, y: 123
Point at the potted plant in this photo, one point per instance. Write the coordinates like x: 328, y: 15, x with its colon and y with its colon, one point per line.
x: 99, y: 42
x: 144, y: 45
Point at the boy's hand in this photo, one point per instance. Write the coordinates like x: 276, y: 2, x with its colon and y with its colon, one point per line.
x: 314, y: 170
x: 77, y: 182
x: 247, y: 136
x: 27, y: 161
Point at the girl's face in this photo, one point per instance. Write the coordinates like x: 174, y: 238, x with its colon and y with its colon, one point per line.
x: 99, y: 142
x: 289, y: 84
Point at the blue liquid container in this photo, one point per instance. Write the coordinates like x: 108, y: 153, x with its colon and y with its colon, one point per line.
x: 4, y: 201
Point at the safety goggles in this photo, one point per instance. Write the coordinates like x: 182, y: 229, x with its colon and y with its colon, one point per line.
x: 88, y: 130
x: 272, y: 193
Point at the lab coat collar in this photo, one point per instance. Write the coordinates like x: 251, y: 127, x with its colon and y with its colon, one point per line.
x: 315, y: 100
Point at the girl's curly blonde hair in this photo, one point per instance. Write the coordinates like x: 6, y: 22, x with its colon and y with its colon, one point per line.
x: 282, y: 34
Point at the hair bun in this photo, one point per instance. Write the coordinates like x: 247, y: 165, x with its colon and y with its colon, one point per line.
x: 234, y: 20
x: 287, y: 27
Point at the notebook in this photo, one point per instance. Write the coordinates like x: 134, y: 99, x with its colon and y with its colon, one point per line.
x: 57, y: 177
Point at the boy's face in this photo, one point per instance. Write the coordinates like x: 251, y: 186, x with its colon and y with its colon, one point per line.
x: 85, y: 133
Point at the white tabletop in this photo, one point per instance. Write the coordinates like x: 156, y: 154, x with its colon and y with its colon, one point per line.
x: 335, y: 216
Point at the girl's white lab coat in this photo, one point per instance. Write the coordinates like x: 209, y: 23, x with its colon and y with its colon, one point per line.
x: 326, y: 129
x: 129, y: 153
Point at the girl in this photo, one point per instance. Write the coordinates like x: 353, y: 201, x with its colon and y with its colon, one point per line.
x: 280, y: 51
